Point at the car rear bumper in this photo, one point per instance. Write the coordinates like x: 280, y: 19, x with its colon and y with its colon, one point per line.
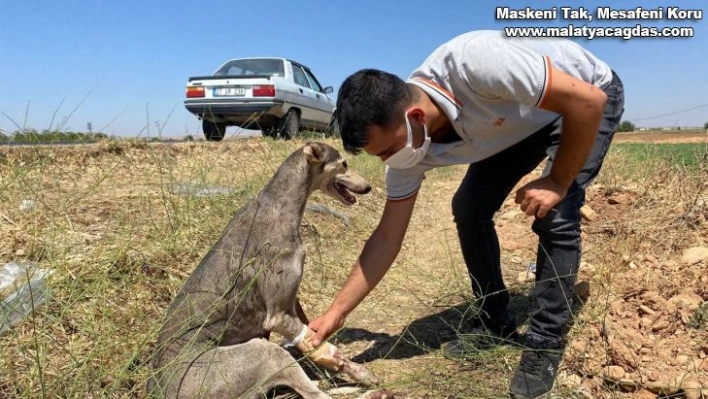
x: 234, y: 111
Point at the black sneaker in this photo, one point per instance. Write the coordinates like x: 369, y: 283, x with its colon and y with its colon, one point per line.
x: 481, y: 337
x: 537, y: 371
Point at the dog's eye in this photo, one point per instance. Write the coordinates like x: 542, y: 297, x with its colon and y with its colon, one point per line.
x: 344, y: 163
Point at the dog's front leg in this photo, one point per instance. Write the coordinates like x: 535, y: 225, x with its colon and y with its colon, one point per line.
x: 326, y: 355
x: 300, y: 335
x: 285, y: 313
x: 280, y: 293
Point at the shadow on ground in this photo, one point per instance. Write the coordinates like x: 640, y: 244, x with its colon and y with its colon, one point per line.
x: 430, y: 333
x: 422, y: 336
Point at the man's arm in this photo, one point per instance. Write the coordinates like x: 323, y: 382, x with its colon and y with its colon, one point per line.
x: 519, y: 73
x: 376, y: 258
x: 581, y: 105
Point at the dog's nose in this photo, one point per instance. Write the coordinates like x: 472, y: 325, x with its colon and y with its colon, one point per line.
x: 366, y: 189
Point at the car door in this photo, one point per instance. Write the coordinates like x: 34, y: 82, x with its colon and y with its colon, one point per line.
x: 325, y: 105
x: 308, y: 100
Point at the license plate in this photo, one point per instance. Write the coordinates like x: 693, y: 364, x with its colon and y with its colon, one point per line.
x: 229, y: 91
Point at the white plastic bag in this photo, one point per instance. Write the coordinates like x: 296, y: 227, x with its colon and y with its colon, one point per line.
x: 31, y: 291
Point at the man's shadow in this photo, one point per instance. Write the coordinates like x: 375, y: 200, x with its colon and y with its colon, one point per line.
x: 431, y: 332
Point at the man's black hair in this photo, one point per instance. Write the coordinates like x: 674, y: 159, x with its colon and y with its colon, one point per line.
x: 369, y: 97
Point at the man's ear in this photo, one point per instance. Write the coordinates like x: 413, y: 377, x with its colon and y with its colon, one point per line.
x: 313, y: 152
x: 417, y: 115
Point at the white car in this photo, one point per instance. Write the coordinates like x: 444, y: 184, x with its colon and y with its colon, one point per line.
x: 276, y: 95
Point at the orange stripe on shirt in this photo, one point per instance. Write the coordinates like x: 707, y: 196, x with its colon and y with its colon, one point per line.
x: 440, y: 89
x: 549, y: 81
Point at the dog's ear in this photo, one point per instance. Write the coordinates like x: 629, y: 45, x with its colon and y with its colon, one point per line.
x: 314, y: 153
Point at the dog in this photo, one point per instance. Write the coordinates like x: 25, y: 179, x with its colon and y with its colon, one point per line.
x: 214, y: 340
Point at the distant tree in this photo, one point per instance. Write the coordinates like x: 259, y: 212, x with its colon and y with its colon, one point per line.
x: 29, y: 135
x: 26, y: 135
x: 189, y: 137
x: 626, y: 126
x: 705, y: 126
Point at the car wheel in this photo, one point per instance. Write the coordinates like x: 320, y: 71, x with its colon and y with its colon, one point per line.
x: 290, y: 125
x: 269, y: 131
x: 213, y: 131
x: 333, y: 128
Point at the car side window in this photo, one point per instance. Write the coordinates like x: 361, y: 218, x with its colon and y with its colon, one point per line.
x: 235, y: 71
x: 299, y: 76
x: 313, y: 82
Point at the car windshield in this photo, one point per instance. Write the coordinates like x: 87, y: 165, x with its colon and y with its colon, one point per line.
x: 252, y: 66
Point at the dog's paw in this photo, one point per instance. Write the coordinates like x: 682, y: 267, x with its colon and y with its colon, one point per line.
x: 326, y: 355
x: 360, y: 374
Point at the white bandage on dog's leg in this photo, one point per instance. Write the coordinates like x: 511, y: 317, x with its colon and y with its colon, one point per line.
x: 297, y: 340
x: 300, y: 336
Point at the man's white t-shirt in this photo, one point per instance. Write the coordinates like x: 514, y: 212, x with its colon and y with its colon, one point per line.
x: 490, y: 87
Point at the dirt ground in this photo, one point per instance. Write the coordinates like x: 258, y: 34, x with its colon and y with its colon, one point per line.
x: 662, y: 137
x: 116, y: 225
x: 639, y: 288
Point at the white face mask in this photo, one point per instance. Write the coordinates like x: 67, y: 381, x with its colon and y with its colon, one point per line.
x: 408, y: 157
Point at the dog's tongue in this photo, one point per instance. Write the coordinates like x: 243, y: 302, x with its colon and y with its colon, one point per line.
x: 345, y: 193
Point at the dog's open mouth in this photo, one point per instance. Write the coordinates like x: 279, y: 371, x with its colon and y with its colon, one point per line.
x: 345, y: 187
x: 344, y: 193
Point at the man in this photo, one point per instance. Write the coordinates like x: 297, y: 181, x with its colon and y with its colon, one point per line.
x: 502, y: 105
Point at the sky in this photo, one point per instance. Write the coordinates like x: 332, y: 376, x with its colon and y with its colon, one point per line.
x: 123, y: 65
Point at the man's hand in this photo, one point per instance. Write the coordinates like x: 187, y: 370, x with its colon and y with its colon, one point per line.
x: 326, y: 325
x: 539, y: 196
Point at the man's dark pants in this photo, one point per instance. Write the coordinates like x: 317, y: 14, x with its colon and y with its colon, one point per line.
x: 483, y: 191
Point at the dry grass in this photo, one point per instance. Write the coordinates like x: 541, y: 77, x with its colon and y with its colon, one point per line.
x: 108, y: 222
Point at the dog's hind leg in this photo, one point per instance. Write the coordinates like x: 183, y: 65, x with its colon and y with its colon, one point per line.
x: 247, y: 370
x: 285, y: 370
